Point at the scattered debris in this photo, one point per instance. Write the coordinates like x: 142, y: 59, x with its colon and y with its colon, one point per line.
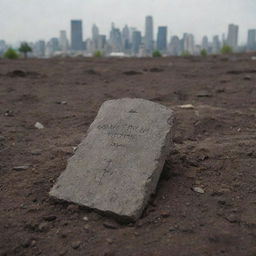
x: 9, y: 113
x: 187, y: 106
x: 198, y: 190
x: 39, y: 126
x: 20, y: 168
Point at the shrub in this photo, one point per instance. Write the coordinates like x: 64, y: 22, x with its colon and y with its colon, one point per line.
x: 226, y: 49
x: 203, y: 53
x: 11, y: 54
x: 156, y: 54
x: 185, y: 54
x: 97, y: 54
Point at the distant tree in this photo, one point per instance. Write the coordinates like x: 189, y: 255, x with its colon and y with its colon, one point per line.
x: 97, y: 54
x: 156, y: 54
x: 203, y: 53
x: 11, y: 54
x: 185, y: 54
x: 226, y: 49
x: 25, y: 48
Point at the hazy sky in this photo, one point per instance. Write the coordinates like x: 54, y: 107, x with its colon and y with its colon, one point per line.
x: 42, y: 19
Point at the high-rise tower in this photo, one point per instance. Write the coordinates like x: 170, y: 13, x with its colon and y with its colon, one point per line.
x: 162, y: 39
x: 232, y: 39
x: 76, y: 35
x: 149, y: 35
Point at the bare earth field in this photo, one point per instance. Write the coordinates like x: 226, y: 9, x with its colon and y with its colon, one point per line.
x: 214, y: 149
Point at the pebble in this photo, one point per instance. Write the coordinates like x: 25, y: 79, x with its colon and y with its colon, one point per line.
x: 39, y: 126
x: 110, y: 241
x: 50, y: 218
x: 232, y: 218
x: 165, y: 214
x: 198, y: 190
x: 187, y: 106
x: 2, y: 138
x: 43, y: 226
x: 248, y: 78
x: 76, y: 244
x: 110, y: 225
x: 85, y: 218
x: 20, y: 168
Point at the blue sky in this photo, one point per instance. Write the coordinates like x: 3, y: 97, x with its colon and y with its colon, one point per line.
x: 42, y: 19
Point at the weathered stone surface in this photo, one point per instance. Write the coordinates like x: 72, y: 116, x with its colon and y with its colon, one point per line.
x: 117, y: 166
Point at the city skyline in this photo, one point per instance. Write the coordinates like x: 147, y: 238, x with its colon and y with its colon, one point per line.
x: 43, y: 20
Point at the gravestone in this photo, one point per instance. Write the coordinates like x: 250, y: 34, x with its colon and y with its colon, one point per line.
x: 117, y: 166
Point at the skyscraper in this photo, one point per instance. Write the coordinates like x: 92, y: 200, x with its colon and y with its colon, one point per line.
x: 63, y: 41
x: 205, y: 43
x: 136, y: 42
x: 149, y: 35
x: 251, y: 40
x: 216, y: 44
x: 232, y: 39
x: 188, y: 43
x: 162, y: 39
x: 76, y: 35
x: 175, y: 46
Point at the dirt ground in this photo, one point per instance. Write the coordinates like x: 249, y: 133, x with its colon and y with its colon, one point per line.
x: 214, y: 152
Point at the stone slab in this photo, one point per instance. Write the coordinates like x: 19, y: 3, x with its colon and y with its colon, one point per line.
x: 117, y: 166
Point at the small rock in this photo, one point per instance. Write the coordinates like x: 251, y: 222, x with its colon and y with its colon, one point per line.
x: 198, y: 190
x: 85, y: 218
x: 110, y: 225
x: 248, y: 78
x: 187, y: 106
x: 33, y: 243
x: 2, y: 138
x: 110, y: 241
x: 63, y: 102
x: 20, y: 168
x: 35, y: 152
x: 172, y: 229
x: 9, y: 113
x: 63, y: 252
x: 50, y: 218
x: 39, y: 126
x: 43, y: 226
x: 232, y: 218
x: 165, y: 214
x: 253, y: 58
x: 203, y: 94
x: 26, y: 243
x: 76, y: 244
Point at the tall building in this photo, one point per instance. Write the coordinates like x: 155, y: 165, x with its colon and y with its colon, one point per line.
x: 232, y: 39
x: 216, y: 45
x: 175, y: 46
x: 63, y: 41
x: 188, y: 43
x: 116, y: 39
x: 149, y: 35
x: 126, y: 38
x: 136, y: 42
x: 162, y: 39
x: 251, y: 40
x: 205, y: 43
x: 39, y: 48
x: 77, y: 35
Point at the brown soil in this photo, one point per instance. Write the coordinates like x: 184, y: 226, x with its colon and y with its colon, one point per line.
x: 215, y: 150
